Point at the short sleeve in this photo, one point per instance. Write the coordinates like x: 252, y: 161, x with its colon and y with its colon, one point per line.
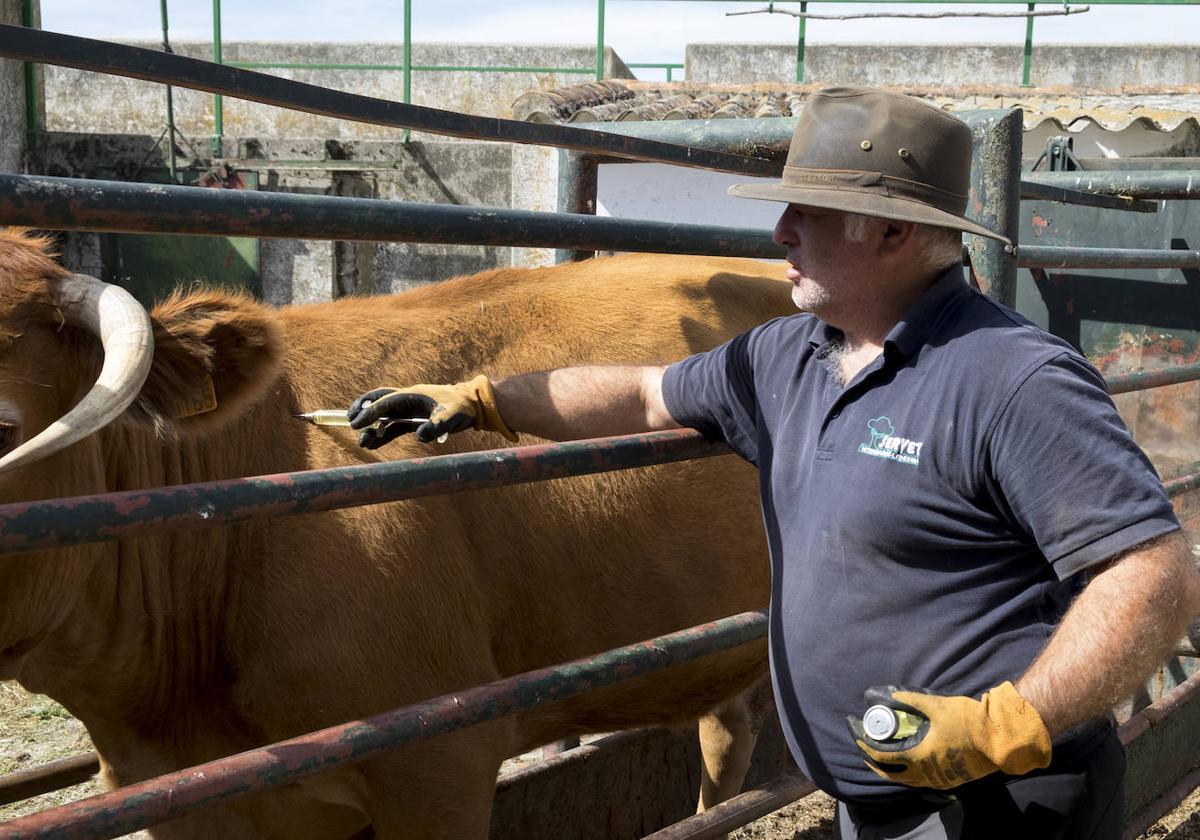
x: 1064, y: 467
x: 713, y: 392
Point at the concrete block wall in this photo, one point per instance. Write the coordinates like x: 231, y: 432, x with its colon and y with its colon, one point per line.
x: 307, y: 271
x: 12, y: 98
x: 1109, y: 66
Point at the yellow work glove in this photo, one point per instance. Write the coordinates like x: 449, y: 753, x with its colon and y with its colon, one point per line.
x: 450, y: 408
x: 960, y: 738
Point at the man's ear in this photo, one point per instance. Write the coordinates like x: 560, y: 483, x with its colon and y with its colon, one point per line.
x: 214, y: 354
x: 896, y: 236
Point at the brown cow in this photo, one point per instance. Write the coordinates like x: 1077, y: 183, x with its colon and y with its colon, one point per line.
x: 180, y: 648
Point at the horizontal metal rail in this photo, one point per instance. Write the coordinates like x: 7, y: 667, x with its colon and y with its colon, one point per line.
x: 51, y: 776
x: 1145, y: 184
x: 24, y: 44
x: 717, y: 821
x: 78, y: 204
x: 1144, y: 379
x: 175, y: 794
x: 53, y: 523
x: 33, y: 526
x: 1049, y: 256
x: 438, y: 68
x: 1045, y: 192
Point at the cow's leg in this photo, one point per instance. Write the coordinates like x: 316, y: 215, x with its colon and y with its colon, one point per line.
x: 437, y: 790
x: 727, y: 737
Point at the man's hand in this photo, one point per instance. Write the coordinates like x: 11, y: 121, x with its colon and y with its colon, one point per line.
x: 450, y: 408
x: 961, y: 739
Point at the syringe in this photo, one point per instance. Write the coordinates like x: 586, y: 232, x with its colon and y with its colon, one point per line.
x: 335, y: 417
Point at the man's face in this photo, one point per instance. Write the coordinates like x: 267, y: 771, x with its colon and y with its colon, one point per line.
x: 823, y: 263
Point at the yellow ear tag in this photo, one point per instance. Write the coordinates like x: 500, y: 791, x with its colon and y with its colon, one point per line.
x: 199, y: 400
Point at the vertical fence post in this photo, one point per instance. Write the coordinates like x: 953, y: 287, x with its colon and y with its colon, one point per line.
x: 32, y: 123
x: 407, y: 62
x: 995, y: 199
x: 218, y: 115
x: 578, y: 177
x: 599, y: 40
x: 800, y: 43
x: 166, y: 44
x: 1028, y: 46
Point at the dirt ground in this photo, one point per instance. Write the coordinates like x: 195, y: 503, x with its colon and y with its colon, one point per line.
x: 35, y: 730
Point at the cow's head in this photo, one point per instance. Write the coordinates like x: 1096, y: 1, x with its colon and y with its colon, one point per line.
x: 75, y: 356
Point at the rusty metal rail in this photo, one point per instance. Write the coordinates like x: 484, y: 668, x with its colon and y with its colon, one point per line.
x: 51, y: 776
x: 53, y: 523
x: 176, y: 794
x: 32, y: 526
x: 1144, y: 379
x: 35, y: 45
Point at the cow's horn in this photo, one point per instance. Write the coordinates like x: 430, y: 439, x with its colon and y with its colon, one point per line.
x: 124, y: 329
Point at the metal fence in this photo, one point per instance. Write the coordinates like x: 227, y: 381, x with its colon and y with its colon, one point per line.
x: 90, y: 205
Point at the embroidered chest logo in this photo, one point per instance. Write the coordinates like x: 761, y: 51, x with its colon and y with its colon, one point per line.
x: 885, y: 443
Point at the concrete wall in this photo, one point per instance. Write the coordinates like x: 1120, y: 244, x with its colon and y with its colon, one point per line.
x: 1085, y: 66
x: 92, y: 102
x: 12, y: 99
x: 306, y: 271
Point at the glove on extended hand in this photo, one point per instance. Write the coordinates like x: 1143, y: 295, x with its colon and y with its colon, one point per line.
x: 960, y: 740
x: 450, y: 408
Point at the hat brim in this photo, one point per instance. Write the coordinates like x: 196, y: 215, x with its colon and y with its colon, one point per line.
x: 864, y: 203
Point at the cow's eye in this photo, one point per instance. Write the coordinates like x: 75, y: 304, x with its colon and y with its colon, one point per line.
x: 9, y: 435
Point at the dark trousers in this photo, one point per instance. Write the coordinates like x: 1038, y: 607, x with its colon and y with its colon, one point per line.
x: 1081, y: 799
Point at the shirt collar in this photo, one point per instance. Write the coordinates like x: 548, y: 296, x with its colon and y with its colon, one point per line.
x: 913, y: 330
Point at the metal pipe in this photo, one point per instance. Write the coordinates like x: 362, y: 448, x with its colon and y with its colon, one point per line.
x: 1044, y: 192
x: 578, y: 182
x: 1146, y: 184
x: 150, y: 65
x: 54, y: 775
x: 79, y: 204
x: 52, y: 523
x: 800, y: 42
x: 166, y: 45
x: 1049, y: 256
x: 738, y: 811
x: 420, y: 68
x: 995, y: 199
x: 599, y: 40
x: 31, y: 92
x: 183, y: 792
x: 408, y: 66
x: 1144, y: 379
x: 218, y: 104
x: 1028, y: 59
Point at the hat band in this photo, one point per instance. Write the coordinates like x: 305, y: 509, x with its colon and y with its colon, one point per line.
x: 873, y: 182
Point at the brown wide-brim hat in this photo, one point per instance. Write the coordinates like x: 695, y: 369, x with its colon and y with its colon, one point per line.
x: 876, y: 153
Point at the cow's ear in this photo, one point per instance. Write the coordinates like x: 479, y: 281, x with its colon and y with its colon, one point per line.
x: 214, y: 354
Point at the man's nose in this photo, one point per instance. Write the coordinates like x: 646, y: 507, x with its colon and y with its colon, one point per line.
x: 784, y: 233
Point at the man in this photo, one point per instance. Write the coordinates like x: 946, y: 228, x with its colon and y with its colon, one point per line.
x: 938, y: 477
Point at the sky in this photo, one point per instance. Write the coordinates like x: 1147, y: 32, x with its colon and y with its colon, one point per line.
x: 639, y: 30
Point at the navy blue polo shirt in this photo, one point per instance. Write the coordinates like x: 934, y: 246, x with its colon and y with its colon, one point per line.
x: 927, y: 521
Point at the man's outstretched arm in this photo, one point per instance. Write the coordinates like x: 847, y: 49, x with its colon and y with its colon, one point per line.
x: 564, y: 404
x: 585, y: 402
